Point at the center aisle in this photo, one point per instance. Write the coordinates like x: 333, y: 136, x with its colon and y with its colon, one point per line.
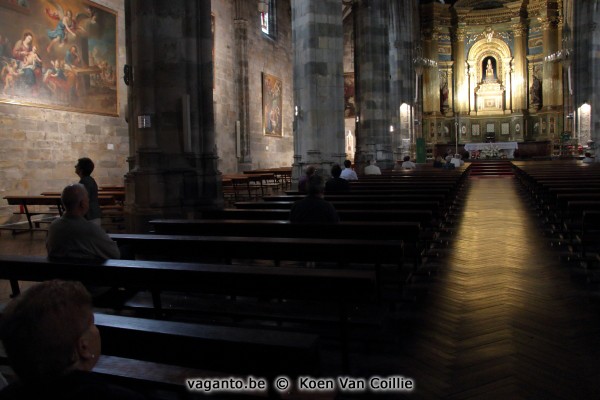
x: 502, y: 318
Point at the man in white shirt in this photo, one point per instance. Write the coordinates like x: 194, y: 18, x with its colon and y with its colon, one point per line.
x: 372, y: 169
x: 456, y: 160
x: 348, y: 173
x: 407, y: 164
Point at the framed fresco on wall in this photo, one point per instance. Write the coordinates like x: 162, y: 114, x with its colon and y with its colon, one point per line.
x: 59, y: 54
x: 272, y: 103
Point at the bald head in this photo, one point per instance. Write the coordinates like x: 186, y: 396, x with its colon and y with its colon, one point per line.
x: 75, y: 199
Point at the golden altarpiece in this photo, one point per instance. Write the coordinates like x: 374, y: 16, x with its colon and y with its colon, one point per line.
x: 493, y: 78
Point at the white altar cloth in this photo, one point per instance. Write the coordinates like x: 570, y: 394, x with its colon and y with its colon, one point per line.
x: 507, y: 148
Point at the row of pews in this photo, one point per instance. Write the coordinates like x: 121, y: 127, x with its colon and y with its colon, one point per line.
x: 242, y: 291
x: 111, y: 199
x: 254, y: 184
x: 566, y: 196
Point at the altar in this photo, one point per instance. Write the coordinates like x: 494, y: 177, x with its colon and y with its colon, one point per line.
x: 493, y: 150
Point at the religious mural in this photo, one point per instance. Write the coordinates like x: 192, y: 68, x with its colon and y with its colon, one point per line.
x: 59, y: 54
x: 272, y: 105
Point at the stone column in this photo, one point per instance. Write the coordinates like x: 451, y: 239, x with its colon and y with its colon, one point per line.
x: 508, y: 84
x: 373, y: 139
x: 551, y: 84
x: 586, y: 68
x: 472, y: 83
x: 431, y: 77
x: 317, y: 36
x: 402, y: 81
x: 461, y: 93
x: 242, y: 84
x: 175, y: 172
x: 519, y: 90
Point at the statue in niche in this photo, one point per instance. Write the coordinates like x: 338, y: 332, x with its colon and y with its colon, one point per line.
x: 489, y: 66
x: 535, y: 92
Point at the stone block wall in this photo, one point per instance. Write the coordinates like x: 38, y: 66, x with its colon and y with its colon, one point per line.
x: 40, y: 147
x: 264, y: 54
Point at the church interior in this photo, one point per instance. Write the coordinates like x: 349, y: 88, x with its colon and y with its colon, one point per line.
x: 201, y: 117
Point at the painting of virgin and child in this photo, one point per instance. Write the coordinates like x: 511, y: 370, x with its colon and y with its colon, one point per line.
x: 58, y: 54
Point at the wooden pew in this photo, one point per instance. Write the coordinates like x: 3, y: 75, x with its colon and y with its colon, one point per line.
x: 340, y: 287
x: 409, y: 232
x: 340, y: 251
x: 424, y: 217
x: 52, y: 201
x: 221, y: 348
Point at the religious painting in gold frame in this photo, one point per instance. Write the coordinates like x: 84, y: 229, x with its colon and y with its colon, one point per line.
x: 272, y: 103
x: 59, y: 54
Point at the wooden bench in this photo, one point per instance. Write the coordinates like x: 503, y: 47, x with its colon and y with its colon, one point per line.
x: 221, y: 348
x: 53, y: 201
x: 424, y: 217
x: 339, y: 287
x: 409, y: 232
x: 339, y: 251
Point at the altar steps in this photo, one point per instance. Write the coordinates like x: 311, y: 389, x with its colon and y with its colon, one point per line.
x: 490, y: 167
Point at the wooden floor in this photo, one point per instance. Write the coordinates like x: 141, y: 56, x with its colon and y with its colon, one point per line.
x: 501, y: 319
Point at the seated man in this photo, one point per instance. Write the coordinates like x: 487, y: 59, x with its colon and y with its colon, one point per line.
x: 407, y: 164
x: 303, y: 180
x: 348, y: 173
x: 72, y: 236
x: 336, y: 184
x: 588, y: 158
x: 372, y: 169
x: 313, y: 208
x: 456, y: 160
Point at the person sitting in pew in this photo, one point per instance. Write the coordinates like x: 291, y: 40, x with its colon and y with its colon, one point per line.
x: 313, y: 208
x: 439, y: 162
x: 372, y: 169
x: 588, y: 158
x: 348, y: 173
x: 72, y: 236
x: 407, y: 164
x: 52, y: 344
x: 336, y: 184
x: 303, y: 180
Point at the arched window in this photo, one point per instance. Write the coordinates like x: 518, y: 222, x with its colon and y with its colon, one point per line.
x: 267, y: 17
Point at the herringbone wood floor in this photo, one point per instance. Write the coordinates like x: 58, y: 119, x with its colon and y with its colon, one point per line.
x: 503, y: 319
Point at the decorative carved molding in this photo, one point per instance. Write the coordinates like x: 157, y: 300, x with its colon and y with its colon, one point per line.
x: 519, y: 29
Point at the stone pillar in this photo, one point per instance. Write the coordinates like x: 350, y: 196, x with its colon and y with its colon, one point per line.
x: 373, y: 139
x: 472, y: 83
x: 242, y: 84
x: 402, y: 82
x: 175, y: 161
x: 461, y: 91
x: 551, y: 84
x: 519, y: 89
x: 317, y: 35
x: 586, y: 68
x: 508, y: 84
x: 431, y: 77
